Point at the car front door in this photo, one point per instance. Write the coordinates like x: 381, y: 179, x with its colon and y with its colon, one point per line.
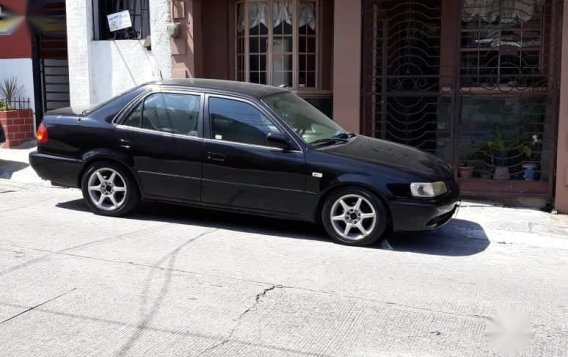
x: 240, y: 170
x: 162, y: 138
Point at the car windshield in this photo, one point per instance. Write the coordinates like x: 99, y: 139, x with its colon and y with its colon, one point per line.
x: 313, y: 126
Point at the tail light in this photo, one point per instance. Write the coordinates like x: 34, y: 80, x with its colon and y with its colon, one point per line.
x: 42, y: 134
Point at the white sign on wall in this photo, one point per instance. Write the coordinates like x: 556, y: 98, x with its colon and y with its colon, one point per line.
x: 119, y: 21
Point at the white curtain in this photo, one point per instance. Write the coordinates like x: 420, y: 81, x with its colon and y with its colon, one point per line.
x: 258, y: 14
x: 282, y: 11
x: 506, y: 10
x: 307, y: 14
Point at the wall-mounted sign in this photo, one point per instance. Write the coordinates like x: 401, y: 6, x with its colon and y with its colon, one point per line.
x: 119, y: 21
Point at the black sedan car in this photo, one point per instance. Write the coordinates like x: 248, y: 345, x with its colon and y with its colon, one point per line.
x: 247, y: 148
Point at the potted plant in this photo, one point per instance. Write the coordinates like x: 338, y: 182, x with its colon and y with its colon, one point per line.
x: 500, y: 150
x: 10, y: 89
x: 531, y: 151
x: 16, y: 118
x: 465, y: 169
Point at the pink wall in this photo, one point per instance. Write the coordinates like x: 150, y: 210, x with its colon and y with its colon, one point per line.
x: 561, y: 200
x: 186, y: 61
x: 347, y: 64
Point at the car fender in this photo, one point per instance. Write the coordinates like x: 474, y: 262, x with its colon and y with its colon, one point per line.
x: 364, y: 181
x: 111, y: 155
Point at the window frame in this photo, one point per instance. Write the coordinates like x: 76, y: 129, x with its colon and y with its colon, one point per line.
x: 295, y: 146
x: 131, y: 107
x: 269, y: 55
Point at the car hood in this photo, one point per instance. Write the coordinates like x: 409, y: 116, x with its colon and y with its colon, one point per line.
x: 401, y: 157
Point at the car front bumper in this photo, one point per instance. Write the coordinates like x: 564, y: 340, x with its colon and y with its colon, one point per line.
x: 59, y: 170
x: 412, y: 215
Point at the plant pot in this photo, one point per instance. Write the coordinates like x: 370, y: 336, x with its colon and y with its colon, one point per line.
x: 530, y: 171
x: 466, y: 172
x: 17, y: 126
x: 501, y: 173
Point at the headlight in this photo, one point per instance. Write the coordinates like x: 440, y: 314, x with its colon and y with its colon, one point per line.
x: 428, y: 189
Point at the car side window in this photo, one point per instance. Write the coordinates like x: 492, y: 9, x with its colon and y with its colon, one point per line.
x: 236, y: 121
x: 134, y: 119
x: 167, y: 112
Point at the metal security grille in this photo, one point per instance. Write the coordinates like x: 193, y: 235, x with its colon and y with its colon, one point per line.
x: 55, y: 83
x: 509, y: 88
x: 139, y: 13
x: 401, y: 67
x: 474, y: 82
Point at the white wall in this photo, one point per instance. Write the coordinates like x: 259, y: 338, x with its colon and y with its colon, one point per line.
x: 99, y: 70
x: 22, y: 69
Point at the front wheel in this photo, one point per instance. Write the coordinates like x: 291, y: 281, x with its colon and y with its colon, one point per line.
x: 109, y: 189
x: 354, y: 217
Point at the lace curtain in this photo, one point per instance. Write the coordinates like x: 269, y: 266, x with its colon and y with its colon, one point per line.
x: 505, y: 10
x: 282, y: 11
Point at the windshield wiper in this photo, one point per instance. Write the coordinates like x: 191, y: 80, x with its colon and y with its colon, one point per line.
x: 345, y: 135
x: 338, y: 138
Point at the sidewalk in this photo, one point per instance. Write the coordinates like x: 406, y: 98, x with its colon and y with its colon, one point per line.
x: 474, y: 220
x: 14, y: 164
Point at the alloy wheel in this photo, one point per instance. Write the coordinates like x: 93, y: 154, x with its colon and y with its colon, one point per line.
x: 107, y: 189
x: 353, y: 217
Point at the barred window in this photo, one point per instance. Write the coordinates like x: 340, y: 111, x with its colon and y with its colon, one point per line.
x: 139, y: 15
x: 504, y: 43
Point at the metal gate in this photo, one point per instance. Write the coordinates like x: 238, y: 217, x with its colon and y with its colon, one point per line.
x: 55, y: 83
x: 52, y: 55
x: 475, y: 83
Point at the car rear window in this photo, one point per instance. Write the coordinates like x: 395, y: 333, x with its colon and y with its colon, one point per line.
x: 107, y: 110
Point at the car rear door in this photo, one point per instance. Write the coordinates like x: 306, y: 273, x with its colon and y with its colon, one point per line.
x: 240, y: 170
x: 162, y: 137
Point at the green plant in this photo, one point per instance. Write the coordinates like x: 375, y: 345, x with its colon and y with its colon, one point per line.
x: 499, y: 144
x: 531, y: 149
x: 10, y: 89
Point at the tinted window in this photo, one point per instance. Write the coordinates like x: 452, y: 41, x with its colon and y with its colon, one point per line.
x: 107, y: 110
x: 240, y: 122
x: 167, y: 112
x: 135, y: 118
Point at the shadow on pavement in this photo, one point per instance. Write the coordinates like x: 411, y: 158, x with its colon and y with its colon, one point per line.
x: 7, y: 168
x: 171, y: 213
x: 457, y: 238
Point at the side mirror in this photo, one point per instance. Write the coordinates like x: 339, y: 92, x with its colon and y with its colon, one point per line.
x: 278, y: 140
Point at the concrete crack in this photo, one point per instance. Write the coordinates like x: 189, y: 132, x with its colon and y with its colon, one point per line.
x: 38, y: 305
x: 239, y: 319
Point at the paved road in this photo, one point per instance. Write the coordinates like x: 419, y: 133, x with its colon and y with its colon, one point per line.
x: 171, y: 281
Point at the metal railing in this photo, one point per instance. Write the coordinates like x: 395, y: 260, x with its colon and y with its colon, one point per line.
x: 14, y: 104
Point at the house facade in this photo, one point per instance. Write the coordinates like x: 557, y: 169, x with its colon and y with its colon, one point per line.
x: 482, y: 84
x: 33, y: 49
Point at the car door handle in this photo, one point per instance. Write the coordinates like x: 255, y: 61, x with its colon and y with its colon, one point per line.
x: 213, y: 156
x: 125, y: 144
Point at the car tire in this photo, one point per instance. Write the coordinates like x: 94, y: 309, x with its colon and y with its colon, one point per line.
x: 355, y: 216
x: 109, y: 189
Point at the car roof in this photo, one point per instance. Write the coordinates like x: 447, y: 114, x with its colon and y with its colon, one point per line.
x: 233, y: 87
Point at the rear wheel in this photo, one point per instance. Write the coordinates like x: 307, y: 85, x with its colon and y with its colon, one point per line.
x: 354, y: 216
x: 109, y: 189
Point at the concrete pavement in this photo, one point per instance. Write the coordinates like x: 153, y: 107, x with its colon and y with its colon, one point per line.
x: 171, y: 280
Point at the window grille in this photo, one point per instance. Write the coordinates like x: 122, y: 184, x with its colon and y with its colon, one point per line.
x: 139, y: 13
